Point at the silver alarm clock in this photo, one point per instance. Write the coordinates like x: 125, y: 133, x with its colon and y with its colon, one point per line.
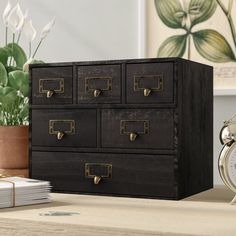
x: 227, y: 158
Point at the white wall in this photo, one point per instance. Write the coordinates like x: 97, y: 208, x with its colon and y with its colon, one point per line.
x: 85, y: 29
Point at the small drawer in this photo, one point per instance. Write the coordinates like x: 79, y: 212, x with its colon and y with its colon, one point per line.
x: 150, y: 83
x: 52, y: 85
x: 123, y: 174
x: 67, y: 128
x: 137, y: 128
x: 99, y: 84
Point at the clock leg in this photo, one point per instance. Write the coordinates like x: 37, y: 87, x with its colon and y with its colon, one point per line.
x: 233, y: 201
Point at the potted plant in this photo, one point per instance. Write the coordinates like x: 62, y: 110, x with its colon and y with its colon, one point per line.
x: 14, y: 87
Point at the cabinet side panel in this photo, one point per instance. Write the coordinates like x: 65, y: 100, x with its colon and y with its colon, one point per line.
x: 197, y: 128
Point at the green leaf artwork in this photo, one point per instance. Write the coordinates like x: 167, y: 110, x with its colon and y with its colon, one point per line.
x: 185, y: 15
x: 213, y: 46
x: 167, y: 11
x: 201, y: 10
x: 174, y: 46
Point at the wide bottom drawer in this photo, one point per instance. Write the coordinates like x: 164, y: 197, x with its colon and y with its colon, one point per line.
x: 107, y: 174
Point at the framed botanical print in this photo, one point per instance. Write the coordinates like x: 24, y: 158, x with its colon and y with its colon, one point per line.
x: 200, y: 30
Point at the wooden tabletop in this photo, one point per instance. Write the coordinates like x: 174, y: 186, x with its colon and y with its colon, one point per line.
x: 207, y: 213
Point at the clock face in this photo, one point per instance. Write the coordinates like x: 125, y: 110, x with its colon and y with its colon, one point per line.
x: 231, y: 165
x: 227, y: 165
x: 227, y: 158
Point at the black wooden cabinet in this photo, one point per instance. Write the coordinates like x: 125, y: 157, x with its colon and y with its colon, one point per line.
x: 141, y: 128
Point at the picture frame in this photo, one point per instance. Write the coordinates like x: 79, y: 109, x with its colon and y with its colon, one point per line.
x: 212, y: 41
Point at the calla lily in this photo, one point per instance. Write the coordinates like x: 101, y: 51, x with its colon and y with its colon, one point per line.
x: 6, y: 13
x: 16, y: 18
x: 25, y: 20
x: 29, y: 30
x: 46, y: 29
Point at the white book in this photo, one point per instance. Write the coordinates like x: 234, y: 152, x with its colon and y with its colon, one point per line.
x: 17, y: 191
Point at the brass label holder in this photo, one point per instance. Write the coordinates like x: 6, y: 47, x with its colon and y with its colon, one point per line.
x: 123, y: 126
x: 97, y: 178
x: 97, y: 91
x: 159, y: 79
x: 69, y: 131
x: 134, y: 133
x: 58, y: 89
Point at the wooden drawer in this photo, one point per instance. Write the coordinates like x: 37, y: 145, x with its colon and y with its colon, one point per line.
x: 69, y: 128
x: 150, y: 83
x: 99, y: 84
x: 123, y: 174
x: 52, y: 85
x: 137, y: 128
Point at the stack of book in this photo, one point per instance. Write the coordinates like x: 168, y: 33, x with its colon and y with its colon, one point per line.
x: 17, y: 191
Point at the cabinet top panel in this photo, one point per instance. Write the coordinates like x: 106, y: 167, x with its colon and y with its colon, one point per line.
x: 104, y: 62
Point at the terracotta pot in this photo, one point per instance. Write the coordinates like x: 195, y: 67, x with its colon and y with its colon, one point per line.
x: 15, y: 172
x: 14, y: 147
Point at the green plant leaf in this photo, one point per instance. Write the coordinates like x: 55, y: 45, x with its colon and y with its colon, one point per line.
x: 170, y: 12
x: 19, y: 80
x: 35, y: 61
x: 201, y: 10
x: 12, y: 68
x: 18, y: 54
x: 24, y: 113
x: 15, y: 79
x: 4, y: 54
x: 31, y: 61
x: 3, y: 75
x: 213, y: 46
x: 173, y: 46
x: 8, y: 97
x: 25, y: 85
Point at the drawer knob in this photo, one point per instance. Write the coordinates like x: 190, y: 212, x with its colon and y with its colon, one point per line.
x: 60, y: 135
x: 146, y: 92
x: 97, y: 179
x: 97, y: 92
x: 50, y: 93
x: 132, y: 136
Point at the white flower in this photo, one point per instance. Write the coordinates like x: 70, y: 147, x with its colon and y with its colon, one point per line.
x: 16, y: 18
x: 46, y: 29
x: 29, y: 30
x: 25, y: 19
x: 6, y: 13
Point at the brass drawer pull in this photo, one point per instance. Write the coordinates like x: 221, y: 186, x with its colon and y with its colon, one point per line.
x: 97, y: 179
x: 96, y: 92
x: 146, y: 92
x: 61, y: 127
x: 98, y: 171
x: 134, y: 128
x: 148, y: 84
x: 51, y: 86
x: 60, y: 135
x: 50, y: 93
x: 97, y: 85
x: 133, y: 136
